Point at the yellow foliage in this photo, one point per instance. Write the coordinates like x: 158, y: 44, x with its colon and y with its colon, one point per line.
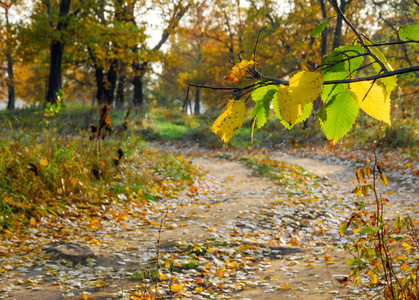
x: 231, y: 120
x: 305, y: 87
x: 44, y: 162
x: 238, y: 71
x: 373, y: 99
x: 290, y: 110
x: 176, y: 288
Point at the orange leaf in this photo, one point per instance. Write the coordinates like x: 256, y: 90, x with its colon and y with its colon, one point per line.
x: 238, y: 71
x: 284, y: 287
x: 121, y: 217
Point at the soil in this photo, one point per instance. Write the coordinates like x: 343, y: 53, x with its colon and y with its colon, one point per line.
x: 237, y: 197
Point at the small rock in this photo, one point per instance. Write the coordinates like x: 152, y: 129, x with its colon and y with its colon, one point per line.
x: 77, y: 253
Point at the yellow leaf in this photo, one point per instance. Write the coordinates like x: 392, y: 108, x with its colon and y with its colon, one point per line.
x: 238, y: 71
x: 44, y: 162
x: 32, y: 222
x: 407, y: 246
x: 373, y: 278
x: 305, y: 87
x: 84, y: 297
x: 163, y: 276
x: 373, y: 100
x: 231, y: 120
x: 290, y: 111
x: 176, y: 288
x: 198, y: 290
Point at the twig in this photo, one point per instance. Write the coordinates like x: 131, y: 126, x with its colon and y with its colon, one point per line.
x: 391, y: 43
x: 366, y: 78
x: 186, y: 99
x: 283, y: 82
x: 383, y: 250
x: 158, y: 251
x: 256, y: 44
x: 239, y: 56
x: 219, y: 88
x: 358, y: 35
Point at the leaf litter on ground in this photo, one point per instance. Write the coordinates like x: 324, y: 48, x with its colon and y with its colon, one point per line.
x: 212, y: 246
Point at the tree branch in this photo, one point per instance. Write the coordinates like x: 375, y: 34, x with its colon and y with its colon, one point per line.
x: 358, y: 35
x: 283, y: 82
x: 366, y: 78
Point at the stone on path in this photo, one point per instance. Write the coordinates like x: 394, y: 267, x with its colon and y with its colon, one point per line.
x: 77, y: 253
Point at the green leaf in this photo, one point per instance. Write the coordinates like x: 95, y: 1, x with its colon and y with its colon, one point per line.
x: 380, y: 56
x: 261, y: 92
x: 261, y: 111
x: 398, y: 222
x: 341, y: 115
x: 322, y: 116
x: 263, y: 97
x: 344, y: 58
x: 390, y: 83
x: 330, y: 90
x: 342, y: 228
x: 369, y: 230
x: 351, y: 263
x: 409, y: 33
x: 317, y: 31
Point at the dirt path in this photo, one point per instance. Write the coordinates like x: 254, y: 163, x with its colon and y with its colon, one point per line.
x: 296, y: 272
x: 249, y: 237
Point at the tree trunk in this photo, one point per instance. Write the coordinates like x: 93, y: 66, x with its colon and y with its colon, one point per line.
x: 10, y: 82
x: 337, y: 39
x: 120, y: 97
x: 138, y: 83
x: 57, y: 50
x: 323, y: 49
x: 138, y: 91
x: 197, y: 102
x: 140, y: 68
x: 100, y: 88
x: 110, y: 85
x: 55, y: 71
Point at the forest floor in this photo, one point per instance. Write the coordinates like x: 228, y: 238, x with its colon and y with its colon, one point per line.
x: 233, y: 234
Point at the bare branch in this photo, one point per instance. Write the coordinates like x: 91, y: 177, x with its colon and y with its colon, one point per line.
x: 366, y: 78
x: 358, y: 35
x: 392, y: 43
x: 256, y: 44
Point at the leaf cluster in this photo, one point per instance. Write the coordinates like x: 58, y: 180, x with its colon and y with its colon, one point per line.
x: 339, y: 86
